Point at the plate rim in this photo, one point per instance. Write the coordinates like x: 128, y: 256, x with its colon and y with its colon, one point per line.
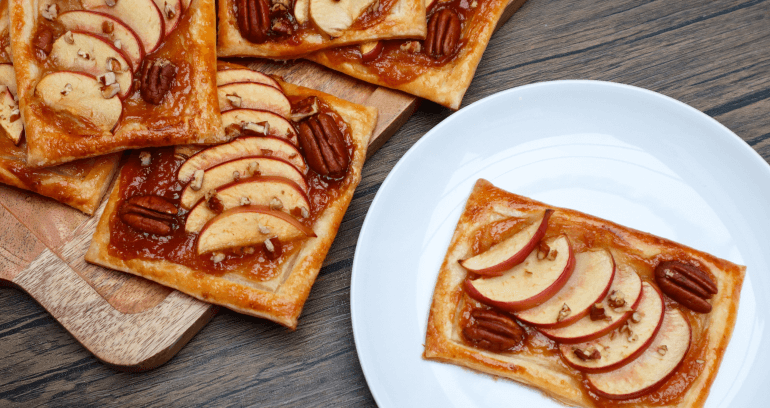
x: 726, y: 132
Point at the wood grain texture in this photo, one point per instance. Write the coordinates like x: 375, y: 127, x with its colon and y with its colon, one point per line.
x: 713, y: 55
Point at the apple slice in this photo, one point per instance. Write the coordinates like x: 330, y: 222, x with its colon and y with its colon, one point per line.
x: 110, y: 28
x: 248, y: 95
x: 10, y: 118
x: 142, y: 16
x: 257, y: 190
x: 333, y: 17
x: 653, y: 367
x: 8, y: 77
x: 277, y: 125
x: 529, y: 283
x: 80, y: 95
x: 84, y: 52
x: 249, y: 225
x: 232, y: 76
x: 510, y: 252
x: 371, y: 50
x: 620, y: 346
x: 172, y: 13
x: 589, y: 283
x: 224, y: 173
x: 239, y: 148
x: 627, y: 282
x: 301, y: 10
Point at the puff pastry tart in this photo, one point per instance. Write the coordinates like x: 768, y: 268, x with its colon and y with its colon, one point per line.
x: 99, y: 76
x: 591, y: 313
x: 441, y: 67
x: 283, y: 29
x: 245, y: 224
x: 80, y: 184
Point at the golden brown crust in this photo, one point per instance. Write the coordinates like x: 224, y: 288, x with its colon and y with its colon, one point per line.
x: 282, y: 302
x: 405, y: 20
x: 183, y: 117
x: 554, y: 379
x: 80, y: 184
x: 445, y: 85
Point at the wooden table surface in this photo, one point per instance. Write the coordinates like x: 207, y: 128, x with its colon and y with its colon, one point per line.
x: 711, y: 54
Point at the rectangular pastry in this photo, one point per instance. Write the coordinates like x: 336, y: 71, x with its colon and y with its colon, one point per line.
x: 282, y: 29
x: 245, y: 224
x: 80, y: 184
x: 99, y: 76
x: 587, y: 311
x: 440, y: 68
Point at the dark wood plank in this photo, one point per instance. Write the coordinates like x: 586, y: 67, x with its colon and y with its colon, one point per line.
x: 713, y: 55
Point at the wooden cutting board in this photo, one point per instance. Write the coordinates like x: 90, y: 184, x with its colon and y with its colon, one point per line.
x: 124, y: 320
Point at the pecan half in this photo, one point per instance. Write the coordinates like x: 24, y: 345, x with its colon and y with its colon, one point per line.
x: 443, y: 33
x: 253, y: 19
x: 43, y: 43
x: 324, y: 146
x: 155, y: 80
x: 686, y: 284
x: 493, y: 331
x: 152, y: 214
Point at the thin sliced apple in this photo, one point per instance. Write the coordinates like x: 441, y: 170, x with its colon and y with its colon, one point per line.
x: 257, y: 190
x: 80, y: 95
x: 621, y: 346
x: 277, y: 125
x: 510, y: 252
x: 172, y: 13
x: 301, y: 11
x: 10, y: 118
x: 224, y: 173
x: 108, y: 27
x: 87, y: 53
x: 232, y: 76
x: 239, y: 148
x: 627, y: 282
x: 589, y: 284
x: 333, y: 17
x: 248, y: 95
x: 249, y: 225
x: 371, y: 50
x: 529, y: 283
x: 8, y: 77
x: 651, y: 369
x: 142, y: 16
x: 186, y: 4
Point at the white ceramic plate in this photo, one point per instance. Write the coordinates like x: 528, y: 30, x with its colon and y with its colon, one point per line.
x: 619, y: 152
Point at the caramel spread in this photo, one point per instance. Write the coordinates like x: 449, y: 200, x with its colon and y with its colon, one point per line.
x: 584, y: 237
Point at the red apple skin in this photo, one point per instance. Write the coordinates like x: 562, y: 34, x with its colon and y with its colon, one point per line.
x: 602, y: 332
x: 518, y: 257
x: 631, y: 357
x: 650, y: 388
x: 536, y: 300
x: 583, y: 313
x: 373, y: 53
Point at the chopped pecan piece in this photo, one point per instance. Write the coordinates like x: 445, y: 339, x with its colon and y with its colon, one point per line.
x: 156, y: 79
x: 324, y: 146
x: 304, y: 108
x: 443, y: 33
x: 590, y: 354
x: 273, y: 248
x: 151, y: 214
x: 616, y: 299
x: 493, y: 331
x: 253, y: 19
x: 686, y: 284
x: 43, y: 43
x: 598, y: 312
